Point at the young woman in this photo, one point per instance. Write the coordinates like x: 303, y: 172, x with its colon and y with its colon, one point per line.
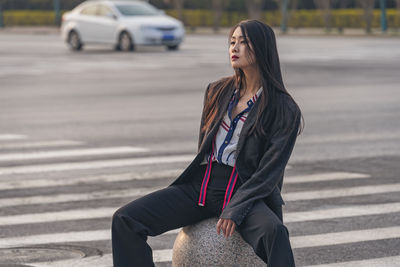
x: 248, y: 130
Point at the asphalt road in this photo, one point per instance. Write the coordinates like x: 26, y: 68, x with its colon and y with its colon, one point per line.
x: 83, y: 133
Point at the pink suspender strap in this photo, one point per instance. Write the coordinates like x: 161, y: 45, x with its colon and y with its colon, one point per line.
x: 206, y: 179
x: 230, y: 187
x: 203, y: 189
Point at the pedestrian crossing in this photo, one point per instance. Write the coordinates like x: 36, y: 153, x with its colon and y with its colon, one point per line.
x: 95, y: 164
x: 70, y: 153
x: 10, y: 137
x: 42, y: 202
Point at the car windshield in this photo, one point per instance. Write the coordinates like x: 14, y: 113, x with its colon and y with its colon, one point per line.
x: 137, y: 10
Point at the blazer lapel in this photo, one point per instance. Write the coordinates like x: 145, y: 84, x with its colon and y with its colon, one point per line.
x: 251, y: 119
x: 249, y: 122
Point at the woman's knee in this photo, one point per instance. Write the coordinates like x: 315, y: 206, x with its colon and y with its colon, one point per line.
x: 125, y: 215
x: 117, y: 214
x: 117, y: 217
x: 271, y: 227
x: 280, y: 229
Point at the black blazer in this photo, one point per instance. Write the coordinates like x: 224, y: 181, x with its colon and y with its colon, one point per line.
x: 260, y: 163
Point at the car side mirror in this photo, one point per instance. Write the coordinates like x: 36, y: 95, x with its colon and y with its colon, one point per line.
x: 111, y: 16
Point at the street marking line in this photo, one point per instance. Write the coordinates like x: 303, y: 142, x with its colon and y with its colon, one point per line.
x: 318, y: 139
x: 7, y: 137
x: 294, y: 196
x: 159, y: 255
x: 50, y: 199
x: 77, y: 236
x: 165, y: 255
x: 342, y: 192
x: 376, y: 262
x: 320, y: 177
x: 34, y: 183
x: 329, y: 239
x: 307, y: 241
x: 41, y: 144
x: 107, y: 212
x: 342, y: 212
x: 71, y: 153
x: 99, y: 164
x: 68, y: 215
x: 41, y: 239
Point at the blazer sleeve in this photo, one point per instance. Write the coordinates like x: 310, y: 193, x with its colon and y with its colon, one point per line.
x: 201, y: 134
x: 268, y: 173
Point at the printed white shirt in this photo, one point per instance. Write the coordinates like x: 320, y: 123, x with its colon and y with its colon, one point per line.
x: 228, y: 133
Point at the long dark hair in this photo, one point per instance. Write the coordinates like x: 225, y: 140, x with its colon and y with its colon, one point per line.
x: 262, y: 39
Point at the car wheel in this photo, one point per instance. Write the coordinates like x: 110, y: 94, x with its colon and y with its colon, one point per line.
x: 125, y: 42
x: 172, y: 47
x: 74, y: 41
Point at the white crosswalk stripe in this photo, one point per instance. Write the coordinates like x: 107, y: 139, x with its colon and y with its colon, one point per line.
x: 293, y: 196
x: 343, y: 192
x: 51, y: 199
x: 322, y: 177
x: 165, y: 256
x: 48, y: 183
x: 345, y: 237
x: 306, y: 241
x: 379, y: 262
x: 7, y: 137
x: 96, y: 164
x: 40, y: 144
x: 70, y: 153
x: 160, y: 255
x: 106, y: 212
x: 34, y: 183
x: 80, y: 236
x: 31, y: 183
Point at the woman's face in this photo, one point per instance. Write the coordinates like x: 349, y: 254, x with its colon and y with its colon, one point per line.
x: 239, y: 53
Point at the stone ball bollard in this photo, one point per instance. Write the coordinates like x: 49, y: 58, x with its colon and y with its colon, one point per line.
x: 199, y: 245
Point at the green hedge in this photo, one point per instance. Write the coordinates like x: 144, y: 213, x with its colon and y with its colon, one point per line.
x: 343, y: 18
x: 28, y: 18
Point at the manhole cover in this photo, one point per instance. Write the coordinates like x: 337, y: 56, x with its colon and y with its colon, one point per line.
x: 12, y: 256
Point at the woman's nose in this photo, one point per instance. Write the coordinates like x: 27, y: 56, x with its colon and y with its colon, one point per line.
x: 235, y: 48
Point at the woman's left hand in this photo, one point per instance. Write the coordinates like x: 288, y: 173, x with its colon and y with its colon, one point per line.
x: 227, y: 226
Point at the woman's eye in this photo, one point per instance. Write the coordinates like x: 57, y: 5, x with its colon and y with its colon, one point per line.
x: 232, y: 43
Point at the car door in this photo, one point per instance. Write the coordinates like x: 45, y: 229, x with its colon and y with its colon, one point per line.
x: 87, y: 21
x: 107, y: 24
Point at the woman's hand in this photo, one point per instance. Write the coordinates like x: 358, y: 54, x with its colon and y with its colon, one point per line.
x: 227, y: 226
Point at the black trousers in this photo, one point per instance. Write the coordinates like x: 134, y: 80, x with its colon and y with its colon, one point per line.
x: 176, y: 206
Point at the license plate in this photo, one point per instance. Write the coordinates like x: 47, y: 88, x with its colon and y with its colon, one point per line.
x: 168, y: 37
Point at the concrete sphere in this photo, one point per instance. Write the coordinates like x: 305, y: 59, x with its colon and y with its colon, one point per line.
x: 199, y: 245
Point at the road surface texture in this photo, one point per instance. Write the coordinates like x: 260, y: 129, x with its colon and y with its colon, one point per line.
x: 84, y: 133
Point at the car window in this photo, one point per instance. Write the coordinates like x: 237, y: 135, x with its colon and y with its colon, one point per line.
x: 104, y: 11
x: 139, y: 9
x: 89, y: 10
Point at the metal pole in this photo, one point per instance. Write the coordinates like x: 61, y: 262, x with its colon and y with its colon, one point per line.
x: 383, y: 15
x: 284, y: 8
x: 57, y: 11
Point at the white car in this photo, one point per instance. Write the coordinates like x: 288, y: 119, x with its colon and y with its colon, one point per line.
x: 123, y: 24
